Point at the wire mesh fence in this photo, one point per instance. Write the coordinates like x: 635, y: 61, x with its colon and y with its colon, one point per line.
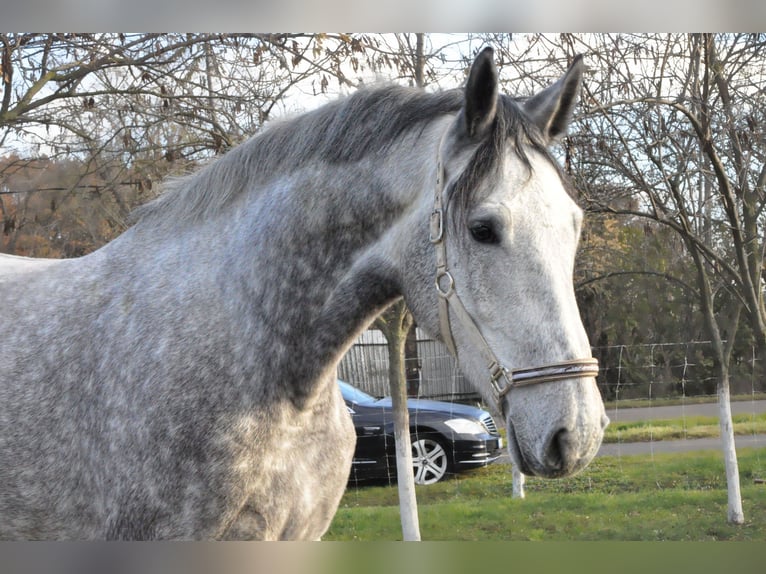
x: 645, y: 371
x: 668, y: 370
x: 645, y: 374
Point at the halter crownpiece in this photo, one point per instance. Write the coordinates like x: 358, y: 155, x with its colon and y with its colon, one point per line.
x: 501, y: 379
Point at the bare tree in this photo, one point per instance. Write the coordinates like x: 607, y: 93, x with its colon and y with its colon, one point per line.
x: 136, y: 107
x: 675, y: 124
x: 395, y: 323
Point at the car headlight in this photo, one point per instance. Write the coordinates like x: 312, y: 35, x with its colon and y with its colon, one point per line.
x: 464, y: 426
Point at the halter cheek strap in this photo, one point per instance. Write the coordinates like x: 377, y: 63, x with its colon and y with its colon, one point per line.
x: 501, y: 379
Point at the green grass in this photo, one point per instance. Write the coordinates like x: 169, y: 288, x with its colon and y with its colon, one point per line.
x: 660, y: 497
x: 687, y: 427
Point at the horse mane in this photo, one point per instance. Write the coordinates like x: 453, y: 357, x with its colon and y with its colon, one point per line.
x: 349, y: 129
x: 368, y: 121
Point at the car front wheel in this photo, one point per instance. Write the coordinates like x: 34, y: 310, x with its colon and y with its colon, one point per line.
x: 429, y: 460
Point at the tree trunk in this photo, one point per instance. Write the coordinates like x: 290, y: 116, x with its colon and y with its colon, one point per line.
x: 397, y: 329
x: 408, y: 505
x: 734, y: 514
x: 420, y: 61
x: 518, y: 483
x: 722, y: 351
x: 395, y: 323
x: 412, y: 362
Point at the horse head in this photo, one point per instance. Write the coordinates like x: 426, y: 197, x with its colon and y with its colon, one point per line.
x: 503, y: 228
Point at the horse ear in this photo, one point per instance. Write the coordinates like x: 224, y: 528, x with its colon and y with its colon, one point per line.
x: 552, y: 108
x: 481, y: 94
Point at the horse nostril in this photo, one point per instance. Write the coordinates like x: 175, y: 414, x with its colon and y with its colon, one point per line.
x: 559, y: 451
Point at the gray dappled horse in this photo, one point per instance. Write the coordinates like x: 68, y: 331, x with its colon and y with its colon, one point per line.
x: 179, y: 382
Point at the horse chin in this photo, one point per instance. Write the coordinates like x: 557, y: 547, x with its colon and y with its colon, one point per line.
x: 515, y: 451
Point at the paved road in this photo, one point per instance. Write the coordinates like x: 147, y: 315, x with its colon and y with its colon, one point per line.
x: 658, y: 413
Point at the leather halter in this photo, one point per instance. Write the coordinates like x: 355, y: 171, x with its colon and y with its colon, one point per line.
x: 501, y: 379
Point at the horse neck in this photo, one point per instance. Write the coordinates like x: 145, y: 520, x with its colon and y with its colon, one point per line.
x: 316, y: 257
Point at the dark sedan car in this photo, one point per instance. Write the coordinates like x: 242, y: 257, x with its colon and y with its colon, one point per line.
x: 446, y: 437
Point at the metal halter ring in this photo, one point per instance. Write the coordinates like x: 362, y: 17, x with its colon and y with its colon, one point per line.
x: 450, y: 284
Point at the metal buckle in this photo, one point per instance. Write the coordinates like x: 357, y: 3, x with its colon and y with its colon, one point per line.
x: 496, y: 372
x: 437, y: 226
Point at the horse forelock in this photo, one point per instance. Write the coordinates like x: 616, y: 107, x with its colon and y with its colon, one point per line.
x: 512, y: 130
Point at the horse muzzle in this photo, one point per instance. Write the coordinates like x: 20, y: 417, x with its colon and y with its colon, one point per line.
x: 550, y: 446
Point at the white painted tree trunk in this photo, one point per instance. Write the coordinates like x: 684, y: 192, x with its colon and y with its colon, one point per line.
x: 518, y: 483
x: 396, y: 328
x: 734, y: 514
x: 408, y: 504
x: 395, y: 323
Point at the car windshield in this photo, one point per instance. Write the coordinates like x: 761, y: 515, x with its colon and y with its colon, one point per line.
x: 354, y: 395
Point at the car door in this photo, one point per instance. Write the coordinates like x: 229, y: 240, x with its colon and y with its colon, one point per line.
x: 371, y: 437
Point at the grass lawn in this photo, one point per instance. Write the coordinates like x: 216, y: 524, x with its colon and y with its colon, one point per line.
x: 661, y: 497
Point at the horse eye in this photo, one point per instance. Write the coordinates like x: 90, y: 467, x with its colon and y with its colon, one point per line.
x: 483, y: 233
